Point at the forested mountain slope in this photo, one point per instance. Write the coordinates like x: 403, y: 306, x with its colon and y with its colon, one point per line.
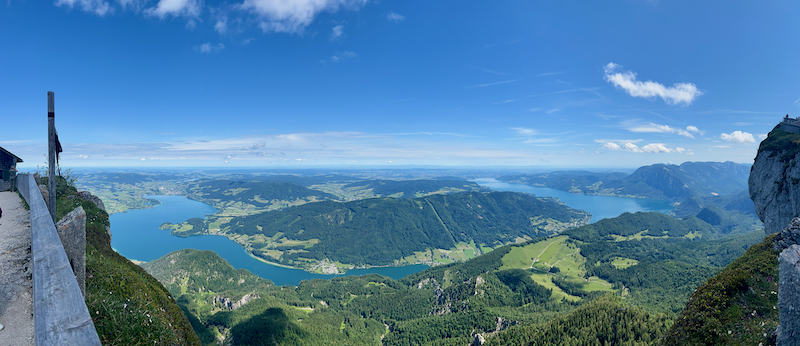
x: 549, y: 290
x: 381, y: 231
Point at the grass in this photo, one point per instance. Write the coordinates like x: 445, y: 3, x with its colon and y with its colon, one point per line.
x: 523, y: 257
x: 622, y: 262
x: 558, y: 252
x: 740, y: 299
x: 127, y: 305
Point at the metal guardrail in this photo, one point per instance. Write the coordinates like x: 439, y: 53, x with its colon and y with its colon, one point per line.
x: 60, y: 316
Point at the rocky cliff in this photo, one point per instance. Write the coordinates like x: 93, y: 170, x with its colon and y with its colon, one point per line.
x: 775, y: 180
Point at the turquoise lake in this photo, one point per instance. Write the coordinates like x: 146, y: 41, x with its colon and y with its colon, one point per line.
x: 135, y: 234
x: 601, y: 207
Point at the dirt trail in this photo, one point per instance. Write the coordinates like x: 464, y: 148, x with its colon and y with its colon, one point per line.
x: 16, y: 304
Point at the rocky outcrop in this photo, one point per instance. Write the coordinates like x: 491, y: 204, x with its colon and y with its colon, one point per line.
x: 92, y: 198
x: 788, y: 237
x: 227, y: 303
x: 72, y: 231
x: 775, y: 182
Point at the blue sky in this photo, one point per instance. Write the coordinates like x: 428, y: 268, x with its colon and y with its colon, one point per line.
x: 310, y: 83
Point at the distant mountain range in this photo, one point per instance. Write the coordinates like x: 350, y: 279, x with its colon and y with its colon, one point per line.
x: 659, y: 181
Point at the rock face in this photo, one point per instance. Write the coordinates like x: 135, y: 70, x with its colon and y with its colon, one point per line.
x: 231, y: 305
x: 775, y: 182
x: 789, y: 297
x: 789, y: 236
x: 72, y: 231
x: 94, y: 199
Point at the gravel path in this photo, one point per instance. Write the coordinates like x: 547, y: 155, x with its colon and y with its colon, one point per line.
x: 16, y: 304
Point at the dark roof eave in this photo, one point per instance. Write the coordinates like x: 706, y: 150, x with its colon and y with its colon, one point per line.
x: 9, y: 153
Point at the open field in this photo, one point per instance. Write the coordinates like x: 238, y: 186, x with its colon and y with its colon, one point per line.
x: 556, y: 252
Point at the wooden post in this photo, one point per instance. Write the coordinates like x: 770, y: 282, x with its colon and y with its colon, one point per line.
x: 51, y: 158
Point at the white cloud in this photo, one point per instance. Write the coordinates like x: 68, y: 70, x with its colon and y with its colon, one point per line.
x: 248, y: 40
x: 176, y: 8
x: 209, y: 48
x: 652, y: 148
x: 295, y: 15
x: 679, y: 93
x: 524, y: 131
x: 222, y: 25
x: 337, y: 32
x: 738, y: 137
x: 340, y: 56
x: 98, y: 7
x: 395, y: 17
x: 695, y: 130
x: 657, y: 128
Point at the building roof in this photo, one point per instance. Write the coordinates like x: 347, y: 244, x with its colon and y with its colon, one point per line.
x: 9, y: 153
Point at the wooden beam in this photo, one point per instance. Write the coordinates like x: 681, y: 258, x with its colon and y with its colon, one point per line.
x: 51, y: 158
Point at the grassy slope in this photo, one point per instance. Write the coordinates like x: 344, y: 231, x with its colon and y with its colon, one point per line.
x: 128, y: 306
x: 735, y: 307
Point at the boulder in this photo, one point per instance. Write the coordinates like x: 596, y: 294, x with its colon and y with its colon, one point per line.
x: 72, y: 231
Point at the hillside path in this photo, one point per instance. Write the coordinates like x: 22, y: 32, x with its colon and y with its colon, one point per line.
x: 16, y: 303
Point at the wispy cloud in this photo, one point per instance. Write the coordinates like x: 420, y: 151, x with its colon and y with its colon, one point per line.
x: 337, y: 33
x: 495, y: 83
x: 483, y: 69
x: 548, y: 74
x: 176, y: 8
x: 524, y: 131
x: 738, y: 137
x: 98, y: 7
x: 546, y: 94
x: 395, y: 17
x: 658, y: 128
x: 293, y: 16
x: 652, y: 148
x: 222, y: 25
x: 734, y: 111
x: 679, y: 93
x: 247, y: 41
x: 210, y: 48
x: 344, y: 55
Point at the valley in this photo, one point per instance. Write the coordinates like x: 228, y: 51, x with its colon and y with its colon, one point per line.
x: 499, y: 262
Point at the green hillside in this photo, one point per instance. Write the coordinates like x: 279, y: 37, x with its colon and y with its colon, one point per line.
x: 128, y: 306
x: 234, y: 197
x: 549, y: 290
x: 735, y: 307
x: 382, y: 231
